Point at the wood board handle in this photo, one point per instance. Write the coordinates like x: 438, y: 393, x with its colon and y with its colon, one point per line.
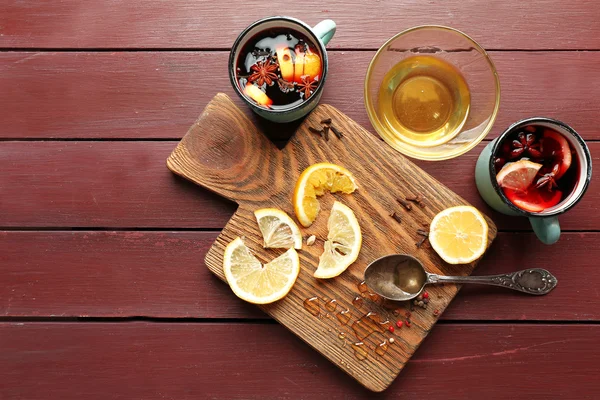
x: 224, y: 152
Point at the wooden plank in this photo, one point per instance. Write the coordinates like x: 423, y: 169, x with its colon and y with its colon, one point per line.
x: 224, y: 152
x: 160, y: 94
x: 126, y: 184
x: 112, y: 274
x: 241, y: 361
x: 162, y: 275
x: 545, y: 24
x: 100, y: 184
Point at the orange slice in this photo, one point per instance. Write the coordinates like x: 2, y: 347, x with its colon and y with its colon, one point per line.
x: 315, y: 181
x: 257, y: 95
x: 286, y: 63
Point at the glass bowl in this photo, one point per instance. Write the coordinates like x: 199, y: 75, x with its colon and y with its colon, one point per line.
x: 465, y: 55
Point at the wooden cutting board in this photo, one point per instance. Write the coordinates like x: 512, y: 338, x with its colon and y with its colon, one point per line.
x: 224, y: 152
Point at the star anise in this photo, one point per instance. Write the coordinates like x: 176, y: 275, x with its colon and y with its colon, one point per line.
x: 263, y: 73
x: 526, y: 144
x: 307, y: 86
x: 548, y: 179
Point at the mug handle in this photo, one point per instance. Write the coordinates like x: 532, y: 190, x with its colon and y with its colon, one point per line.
x: 325, y: 30
x: 547, y: 229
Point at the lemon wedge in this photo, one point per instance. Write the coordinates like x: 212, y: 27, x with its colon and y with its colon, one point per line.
x: 459, y: 234
x: 313, y: 182
x: 256, y: 283
x: 279, y: 231
x: 343, y: 244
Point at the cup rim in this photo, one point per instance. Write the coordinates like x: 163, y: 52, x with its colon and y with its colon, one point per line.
x: 531, y: 121
x: 370, y: 107
x: 316, y: 41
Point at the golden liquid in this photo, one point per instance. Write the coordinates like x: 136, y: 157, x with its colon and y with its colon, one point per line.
x: 424, y: 100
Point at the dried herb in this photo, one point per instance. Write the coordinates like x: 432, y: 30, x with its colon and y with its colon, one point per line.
x: 425, y: 235
x: 547, y: 180
x: 418, y: 199
x: 284, y: 85
x: 317, y: 131
x: 396, y: 217
x: 307, y: 86
x: 260, y: 53
x: 526, y: 144
x: 337, y: 132
x: 404, y: 203
x: 326, y: 132
x: 326, y: 121
x: 264, y: 72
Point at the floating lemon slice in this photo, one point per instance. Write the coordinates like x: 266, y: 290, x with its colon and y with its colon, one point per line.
x: 518, y: 175
x: 313, y: 182
x: 278, y: 229
x: 459, y: 234
x: 257, y: 283
x: 343, y: 244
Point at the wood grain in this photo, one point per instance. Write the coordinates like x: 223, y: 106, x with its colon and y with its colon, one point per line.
x: 132, y: 188
x: 224, y: 152
x: 248, y: 361
x: 162, y: 275
x: 544, y: 24
x: 159, y: 94
x: 70, y: 184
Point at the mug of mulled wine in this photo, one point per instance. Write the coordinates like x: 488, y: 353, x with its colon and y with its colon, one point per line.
x: 278, y: 66
x: 538, y: 168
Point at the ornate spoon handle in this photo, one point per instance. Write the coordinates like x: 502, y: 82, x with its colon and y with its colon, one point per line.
x: 533, y: 280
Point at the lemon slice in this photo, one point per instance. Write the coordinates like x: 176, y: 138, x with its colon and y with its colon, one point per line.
x: 279, y: 231
x: 313, y: 182
x: 344, y: 240
x: 459, y: 234
x: 518, y: 175
x: 257, y: 283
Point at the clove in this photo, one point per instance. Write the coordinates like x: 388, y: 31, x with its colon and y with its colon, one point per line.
x: 418, y: 199
x: 337, y: 132
x: 326, y: 132
x: 317, y: 131
x: 404, y: 203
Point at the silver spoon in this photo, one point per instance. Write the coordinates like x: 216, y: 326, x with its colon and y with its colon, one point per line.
x: 402, y: 277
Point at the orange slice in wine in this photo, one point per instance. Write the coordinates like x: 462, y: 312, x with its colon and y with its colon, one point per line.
x: 257, y: 95
x: 307, y: 64
x: 556, y: 148
x: 534, y: 200
x: 312, y: 65
x: 299, y: 66
x: 286, y: 63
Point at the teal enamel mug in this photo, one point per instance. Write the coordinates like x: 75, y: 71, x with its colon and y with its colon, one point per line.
x: 544, y: 223
x: 319, y: 36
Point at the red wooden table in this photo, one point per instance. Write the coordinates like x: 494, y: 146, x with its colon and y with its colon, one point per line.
x: 104, y: 293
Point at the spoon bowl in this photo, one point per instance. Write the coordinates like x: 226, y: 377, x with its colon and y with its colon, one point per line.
x: 396, y: 277
x: 401, y: 277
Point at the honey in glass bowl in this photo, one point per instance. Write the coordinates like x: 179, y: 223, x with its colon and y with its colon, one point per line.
x: 424, y: 99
